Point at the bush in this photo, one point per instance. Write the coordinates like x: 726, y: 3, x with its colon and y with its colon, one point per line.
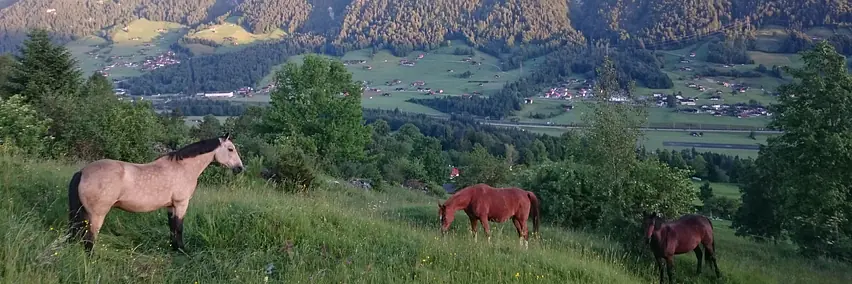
x: 722, y: 207
x: 292, y: 168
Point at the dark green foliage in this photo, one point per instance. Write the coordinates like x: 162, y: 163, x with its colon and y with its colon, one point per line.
x: 705, y: 192
x: 800, y: 182
x: 293, y: 168
x: 220, y: 72
x: 721, y: 207
x: 730, y: 51
x: 320, y: 102
x: 44, y: 72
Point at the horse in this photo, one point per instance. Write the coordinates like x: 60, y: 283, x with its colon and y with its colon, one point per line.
x: 668, y: 239
x: 169, y: 181
x: 484, y: 203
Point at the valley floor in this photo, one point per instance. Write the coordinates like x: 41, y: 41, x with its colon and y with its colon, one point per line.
x: 248, y: 232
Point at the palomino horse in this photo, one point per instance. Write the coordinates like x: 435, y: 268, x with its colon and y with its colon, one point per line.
x: 169, y: 181
x: 678, y: 237
x: 484, y: 203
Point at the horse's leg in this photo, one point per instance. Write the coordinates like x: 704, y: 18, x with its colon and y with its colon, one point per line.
x: 96, y: 221
x: 698, y: 254
x: 473, y: 228
x: 670, y: 266
x: 176, y: 214
x: 710, y: 255
x: 662, y: 267
x: 520, y: 233
x: 486, y: 228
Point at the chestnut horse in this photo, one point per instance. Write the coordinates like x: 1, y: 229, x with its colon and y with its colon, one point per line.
x: 484, y: 203
x: 169, y: 181
x: 678, y: 237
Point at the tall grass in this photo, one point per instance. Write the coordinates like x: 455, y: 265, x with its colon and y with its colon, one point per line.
x: 247, y: 232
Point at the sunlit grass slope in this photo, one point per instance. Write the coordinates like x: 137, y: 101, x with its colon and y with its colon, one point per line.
x: 246, y: 232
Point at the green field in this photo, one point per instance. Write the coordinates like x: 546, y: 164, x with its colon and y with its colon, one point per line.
x: 434, y: 69
x: 142, y: 39
x: 653, y: 140
x: 338, y: 234
x: 660, y: 117
x: 230, y: 35
x: 728, y: 190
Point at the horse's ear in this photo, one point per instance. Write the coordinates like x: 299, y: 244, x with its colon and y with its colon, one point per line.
x: 226, y: 137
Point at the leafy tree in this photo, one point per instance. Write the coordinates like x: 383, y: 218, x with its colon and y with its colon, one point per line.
x: 478, y: 166
x: 209, y: 127
x: 722, y: 207
x: 699, y: 165
x: 6, y: 66
x: 319, y: 100
x: 705, y: 192
x: 21, y: 126
x: 801, y: 182
x: 105, y: 127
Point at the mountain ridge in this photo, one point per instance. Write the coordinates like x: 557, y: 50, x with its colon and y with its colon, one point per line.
x: 405, y: 25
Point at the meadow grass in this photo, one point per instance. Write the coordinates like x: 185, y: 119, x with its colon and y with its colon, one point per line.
x: 228, y: 33
x: 237, y: 231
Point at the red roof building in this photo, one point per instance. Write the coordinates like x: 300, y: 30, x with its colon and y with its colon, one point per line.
x: 454, y: 173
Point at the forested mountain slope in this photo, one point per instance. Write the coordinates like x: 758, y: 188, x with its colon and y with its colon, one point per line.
x: 402, y: 25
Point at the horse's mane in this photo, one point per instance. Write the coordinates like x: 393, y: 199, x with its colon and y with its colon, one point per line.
x: 201, y: 147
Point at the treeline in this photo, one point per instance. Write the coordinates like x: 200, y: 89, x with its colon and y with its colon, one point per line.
x: 460, y: 134
x: 637, y: 65
x: 671, y: 23
x: 222, y: 72
x: 202, y: 107
x: 798, y: 41
x: 730, y: 51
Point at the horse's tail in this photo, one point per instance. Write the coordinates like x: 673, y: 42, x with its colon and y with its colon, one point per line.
x: 534, y: 211
x: 77, y: 214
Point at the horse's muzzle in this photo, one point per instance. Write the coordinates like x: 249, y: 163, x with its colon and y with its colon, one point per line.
x: 238, y: 169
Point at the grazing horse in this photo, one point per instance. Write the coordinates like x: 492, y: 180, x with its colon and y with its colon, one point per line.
x: 678, y: 237
x: 169, y: 181
x: 484, y: 203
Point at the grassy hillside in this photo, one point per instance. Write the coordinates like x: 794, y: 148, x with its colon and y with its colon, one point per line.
x: 235, y: 232
x: 230, y: 36
x: 125, y: 52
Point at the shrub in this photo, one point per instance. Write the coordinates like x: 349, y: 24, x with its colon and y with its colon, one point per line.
x: 292, y: 168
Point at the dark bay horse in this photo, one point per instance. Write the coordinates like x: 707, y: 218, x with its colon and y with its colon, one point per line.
x: 484, y: 203
x: 678, y: 237
x: 169, y: 181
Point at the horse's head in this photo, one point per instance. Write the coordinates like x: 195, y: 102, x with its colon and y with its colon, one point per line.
x: 445, y: 218
x: 227, y: 154
x: 650, y: 224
